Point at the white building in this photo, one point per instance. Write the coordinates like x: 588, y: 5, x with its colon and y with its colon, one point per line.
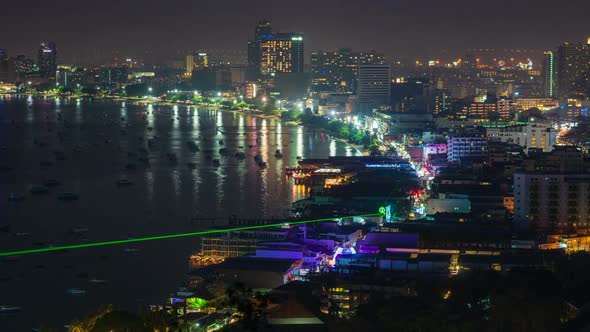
x: 532, y: 135
x: 466, y: 146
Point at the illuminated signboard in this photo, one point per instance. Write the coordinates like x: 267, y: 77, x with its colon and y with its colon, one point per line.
x: 387, y: 165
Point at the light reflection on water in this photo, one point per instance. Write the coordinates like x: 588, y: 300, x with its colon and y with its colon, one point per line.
x: 162, y: 200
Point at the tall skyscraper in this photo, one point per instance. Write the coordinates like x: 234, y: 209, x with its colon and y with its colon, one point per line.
x: 573, y: 69
x: 281, y: 53
x: 189, y: 64
x: 263, y: 28
x: 47, y: 60
x: 272, y: 53
x: 201, y: 60
x: 549, y: 75
x: 338, y: 70
x: 374, y: 85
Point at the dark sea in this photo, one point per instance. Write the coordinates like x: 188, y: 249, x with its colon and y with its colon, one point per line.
x: 87, y: 146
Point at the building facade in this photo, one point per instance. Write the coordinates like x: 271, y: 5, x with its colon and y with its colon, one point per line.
x: 281, y: 53
x: 47, y: 60
x: 459, y: 147
x: 573, y: 69
x: 374, y: 87
x: 338, y: 70
x: 535, y: 135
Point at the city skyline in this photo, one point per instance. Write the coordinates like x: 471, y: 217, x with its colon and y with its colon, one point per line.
x: 397, y: 30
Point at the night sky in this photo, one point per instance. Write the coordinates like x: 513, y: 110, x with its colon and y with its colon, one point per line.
x: 394, y: 27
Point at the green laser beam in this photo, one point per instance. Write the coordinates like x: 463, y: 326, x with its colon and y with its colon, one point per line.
x: 170, y: 236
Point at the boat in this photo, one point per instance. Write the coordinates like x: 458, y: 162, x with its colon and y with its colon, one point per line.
x: 192, y: 146
x: 278, y: 154
x: 68, y: 197
x: 258, y: 158
x: 75, y: 291
x: 98, y: 281
x: 39, y: 190
x: 124, y: 182
x: 259, y: 161
x: 52, y: 183
x: 216, y: 162
x: 79, y: 230
x: 8, y: 309
x: 131, y: 250
x: 14, y: 197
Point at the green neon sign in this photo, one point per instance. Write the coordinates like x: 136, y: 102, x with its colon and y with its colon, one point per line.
x: 382, y: 210
x: 169, y: 236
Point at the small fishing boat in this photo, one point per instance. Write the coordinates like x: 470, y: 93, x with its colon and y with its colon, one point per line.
x: 9, y: 309
x: 75, y: 291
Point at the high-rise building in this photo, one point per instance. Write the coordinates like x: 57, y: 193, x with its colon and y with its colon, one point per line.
x: 459, y: 147
x: 281, y: 53
x: 263, y: 28
x: 189, y: 64
x: 272, y: 53
x: 552, y: 194
x: 549, y: 75
x: 7, y: 68
x: 573, y: 69
x: 201, y: 60
x: 47, y: 60
x: 374, y: 85
x: 24, y: 66
x: 338, y: 70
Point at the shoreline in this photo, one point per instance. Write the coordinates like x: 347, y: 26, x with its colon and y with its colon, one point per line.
x: 155, y: 101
